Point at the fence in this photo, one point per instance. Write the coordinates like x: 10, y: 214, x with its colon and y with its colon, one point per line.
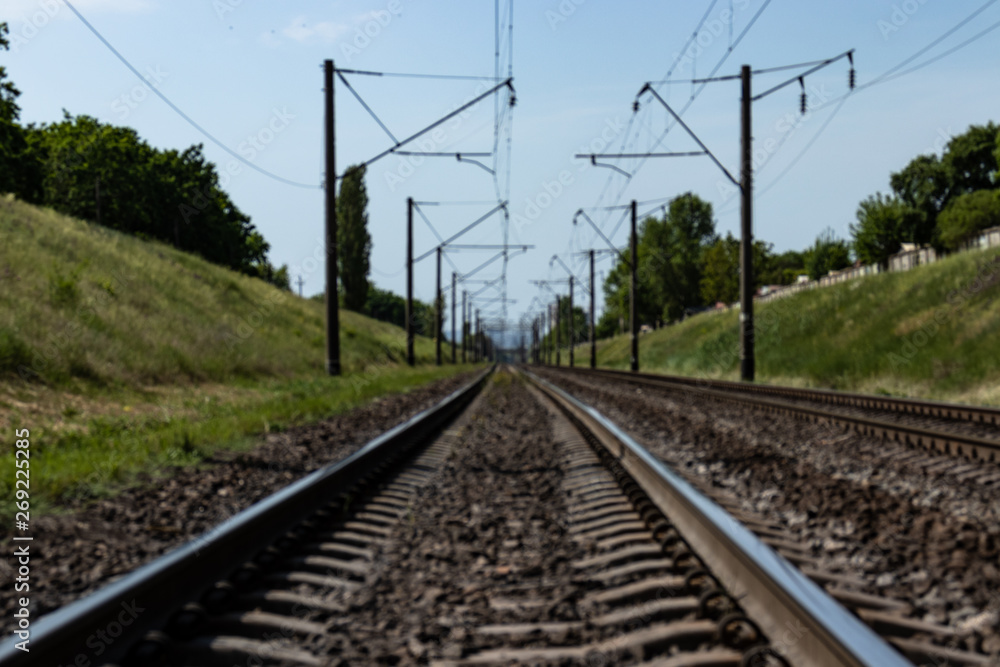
x: 910, y: 257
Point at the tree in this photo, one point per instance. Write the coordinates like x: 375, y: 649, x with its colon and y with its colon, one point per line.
x: 923, y: 185
x: 721, y: 269
x: 827, y: 254
x: 970, y: 160
x: 669, y: 267
x: 784, y: 269
x: 884, y: 224
x: 967, y: 215
x: 19, y: 173
x: 354, y: 242
x: 928, y: 184
x: 720, y: 279
x: 108, y: 174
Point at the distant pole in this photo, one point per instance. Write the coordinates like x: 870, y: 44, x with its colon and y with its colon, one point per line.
x: 552, y: 337
x: 632, y: 296
x: 409, y: 282
x: 538, y: 340
x: 454, y: 280
x: 465, y: 325
x: 300, y: 282
x: 479, y: 337
x: 593, y: 339
x: 438, y: 315
x: 546, y: 337
x: 558, y: 333
x: 332, y: 305
x: 746, y: 234
x: 571, y: 322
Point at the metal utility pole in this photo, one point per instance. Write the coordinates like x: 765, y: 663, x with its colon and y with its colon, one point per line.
x: 454, y: 280
x: 332, y: 305
x: 409, y: 281
x: 479, y: 337
x: 593, y: 338
x: 746, y: 232
x: 631, y: 261
x: 437, y: 312
x: 465, y: 324
x: 571, y: 321
x: 548, y: 325
x: 300, y: 282
x: 558, y: 333
x: 745, y: 184
x: 632, y: 295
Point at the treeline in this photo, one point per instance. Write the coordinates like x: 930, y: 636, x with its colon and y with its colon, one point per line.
x: 939, y: 201
x: 111, y: 176
x: 685, y: 266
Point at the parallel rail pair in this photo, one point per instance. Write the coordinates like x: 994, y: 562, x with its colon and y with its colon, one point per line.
x: 767, y: 586
x: 793, y: 401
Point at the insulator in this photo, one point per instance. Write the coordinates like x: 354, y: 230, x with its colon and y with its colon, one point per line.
x: 802, y: 103
x: 851, y: 78
x: 635, y: 106
x: 513, y: 100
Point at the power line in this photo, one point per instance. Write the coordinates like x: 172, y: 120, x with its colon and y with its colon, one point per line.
x: 453, y: 77
x: 697, y: 92
x: 888, y: 75
x: 177, y: 109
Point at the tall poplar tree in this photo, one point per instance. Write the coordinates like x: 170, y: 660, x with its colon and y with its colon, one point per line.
x: 354, y: 242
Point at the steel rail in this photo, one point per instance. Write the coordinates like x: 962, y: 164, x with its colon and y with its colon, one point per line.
x: 153, y: 593
x: 922, y: 407
x: 953, y: 444
x: 775, y: 594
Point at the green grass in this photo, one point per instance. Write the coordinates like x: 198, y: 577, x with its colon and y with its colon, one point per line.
x: 931, y: 332
x: 82, y: 302
x: 124, y: 356
x: 112, y: 451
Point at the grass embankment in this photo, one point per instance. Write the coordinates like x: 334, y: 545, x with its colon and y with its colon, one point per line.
x: 931, y: 332
x: 122, y: 356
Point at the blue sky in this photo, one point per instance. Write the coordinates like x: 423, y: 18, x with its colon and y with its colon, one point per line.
x: 246, y: 68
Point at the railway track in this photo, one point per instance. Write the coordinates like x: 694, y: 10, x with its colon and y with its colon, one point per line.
x: 519, y: 526
x: 961, y: 431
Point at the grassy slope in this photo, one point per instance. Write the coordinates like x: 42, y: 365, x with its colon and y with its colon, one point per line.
x: 84, y: 302
x: 931, y: 332
x: 141, y: 355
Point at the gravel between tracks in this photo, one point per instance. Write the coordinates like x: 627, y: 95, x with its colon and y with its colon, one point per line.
x: 491, y: 517
x: 76, y: 553
x: 915, y: 535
